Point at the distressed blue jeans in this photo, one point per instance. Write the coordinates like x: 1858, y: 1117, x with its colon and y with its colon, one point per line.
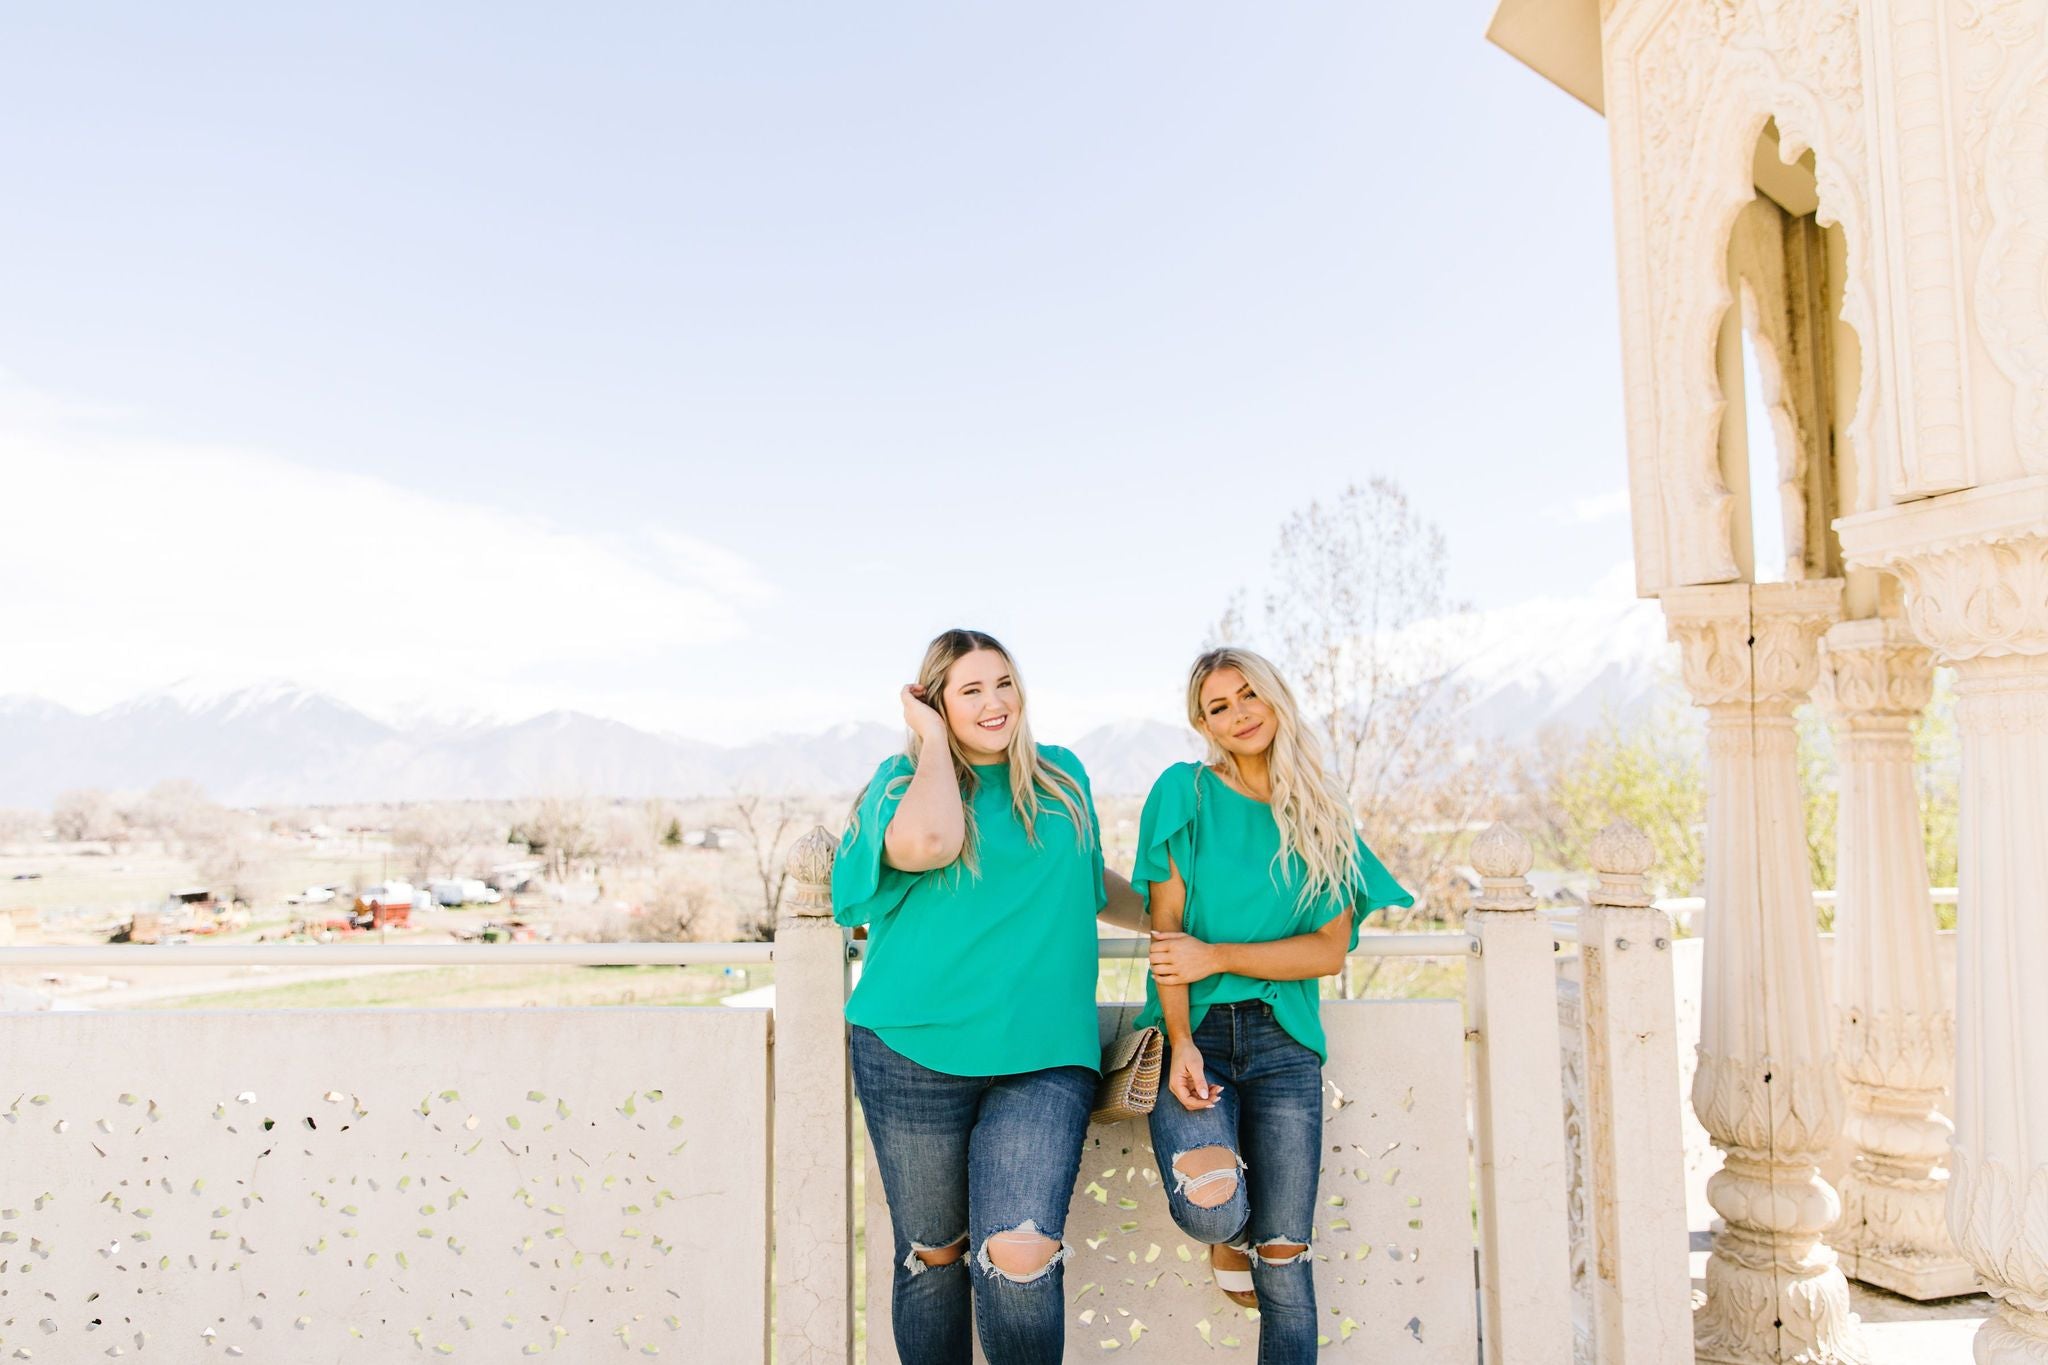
x: 973, y: 1157
x: 1270, y: 1115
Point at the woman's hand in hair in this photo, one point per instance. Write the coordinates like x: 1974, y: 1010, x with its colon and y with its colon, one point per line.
x: 923, y: 719
x: 1186, y: 1081
x: 1182, y: 959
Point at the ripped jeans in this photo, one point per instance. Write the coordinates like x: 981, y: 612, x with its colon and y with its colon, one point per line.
x: 1270, y: 1115
x: 974, y: 1162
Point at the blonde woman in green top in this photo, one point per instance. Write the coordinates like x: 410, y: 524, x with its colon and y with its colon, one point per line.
x: 1257, y: 881
x: 975, y: 862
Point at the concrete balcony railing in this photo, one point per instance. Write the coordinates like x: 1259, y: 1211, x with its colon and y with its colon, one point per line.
x: 599, y: 1183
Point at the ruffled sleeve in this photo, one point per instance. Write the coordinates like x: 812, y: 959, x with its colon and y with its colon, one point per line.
x: 864, y: 888
x: 1070, y: 764
x: 1166, y: 832
x: 1377, y: 889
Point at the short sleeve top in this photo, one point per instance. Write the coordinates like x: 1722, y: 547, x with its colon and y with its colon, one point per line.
x: 1225, y: 845
x: 984, y: 974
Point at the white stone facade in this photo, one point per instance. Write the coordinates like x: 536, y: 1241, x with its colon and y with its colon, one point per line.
x: 1860, y: 189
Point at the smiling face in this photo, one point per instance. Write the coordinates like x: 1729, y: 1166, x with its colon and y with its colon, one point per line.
x: 982, y: 705
x: 1235, y: 716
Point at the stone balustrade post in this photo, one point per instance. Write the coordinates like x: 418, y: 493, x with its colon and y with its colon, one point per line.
x: 1766, y: 1089
x: 1897, y: 1039
x: 1642, y: 1283
x: 1974, y: 569
x: 1510, y: 1003
x: 813, y: 1120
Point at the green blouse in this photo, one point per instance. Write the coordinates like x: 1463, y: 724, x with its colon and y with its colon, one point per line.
x: 985, y: 975
x: 1224, y: 844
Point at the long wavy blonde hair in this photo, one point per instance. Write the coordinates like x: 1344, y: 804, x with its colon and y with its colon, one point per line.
x: 1309, y: 805
x: 1033, y: 781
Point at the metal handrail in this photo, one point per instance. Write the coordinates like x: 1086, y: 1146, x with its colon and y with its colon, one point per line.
x: 553, y: 954
x: 1692, y: 905
x: 386, y: 954
x: 1369, y: 945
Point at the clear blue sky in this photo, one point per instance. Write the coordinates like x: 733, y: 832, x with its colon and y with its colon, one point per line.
x: 793, y: 332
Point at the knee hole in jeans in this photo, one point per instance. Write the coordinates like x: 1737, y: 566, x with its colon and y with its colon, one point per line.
x: 1021, y: 1255
x: 1207, y: 1176
x: 922, y: 1258
x: 1277, y: 1252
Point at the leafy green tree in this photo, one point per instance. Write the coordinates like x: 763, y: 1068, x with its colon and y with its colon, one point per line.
x: 1820, y: 790
x: 1646, y: 770
x: 1939, y: 752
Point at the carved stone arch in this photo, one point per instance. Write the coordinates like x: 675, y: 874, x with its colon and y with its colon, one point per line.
x: 1691, y: 88
x: 1787, y: 424
x: 2012, y: 286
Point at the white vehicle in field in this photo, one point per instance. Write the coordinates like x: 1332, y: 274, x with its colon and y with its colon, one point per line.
x: 463, y: 891
x: 312, y: 895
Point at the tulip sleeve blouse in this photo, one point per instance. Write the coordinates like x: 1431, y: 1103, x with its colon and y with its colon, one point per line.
x: 982, y: 973
x: 1225, y: 844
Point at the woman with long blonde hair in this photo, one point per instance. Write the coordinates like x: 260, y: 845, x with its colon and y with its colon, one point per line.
x: 975, y: 861
x: 1257, y: 881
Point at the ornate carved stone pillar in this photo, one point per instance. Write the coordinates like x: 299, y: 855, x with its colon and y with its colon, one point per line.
x: 1975, y: 571
x: 1897, y: 1035
x: 1766, y: 1089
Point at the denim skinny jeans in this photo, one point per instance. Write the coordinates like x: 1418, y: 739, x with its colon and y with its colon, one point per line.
x: 1270, y: 1116
x: 967, y: 1159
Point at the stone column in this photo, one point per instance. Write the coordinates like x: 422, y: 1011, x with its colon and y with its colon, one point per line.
x: 1974, y: 567
x: 1897, y: 1035
x: 813, y: 1129
x: 1642, y: 1288
x: 1524, y: 1241
x: 1766, y: 1089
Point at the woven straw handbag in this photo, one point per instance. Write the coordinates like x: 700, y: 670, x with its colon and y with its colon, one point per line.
x: 1131, y: 1067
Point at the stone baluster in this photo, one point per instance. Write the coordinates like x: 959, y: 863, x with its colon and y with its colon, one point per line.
x: 1766, y: 1089
x: 813, y: 1142
x: 1642, y: 1284
x: 1897, y: 1034
x: 1510, y: 995
x: 1974, y: 567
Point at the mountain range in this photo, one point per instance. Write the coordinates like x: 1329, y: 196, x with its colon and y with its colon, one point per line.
x: 1562, y: 662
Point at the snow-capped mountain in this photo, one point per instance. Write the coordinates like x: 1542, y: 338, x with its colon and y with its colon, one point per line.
x: 1538, y: 664
x: 1564, y: 661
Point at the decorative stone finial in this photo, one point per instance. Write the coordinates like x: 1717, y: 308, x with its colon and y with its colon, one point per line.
x: 1502, y: 859
x: 810, y: 873
x: 1500, y: 852
x: 1621, y: 855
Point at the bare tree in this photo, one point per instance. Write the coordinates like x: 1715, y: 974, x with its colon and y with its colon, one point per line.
x: 86, y: 815
x: 18, y: 827
x: 1359, y: 617
x: 436, y: 838
x: 657, y: 821
x: 225, y: 851
x: 674, y: 911
x: 179, y: 814
x: 561, y: 830
x: 623, y: 835
x: 768, y: 824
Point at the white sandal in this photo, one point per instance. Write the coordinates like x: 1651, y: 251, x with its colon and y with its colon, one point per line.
x: 1236, y: 1285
